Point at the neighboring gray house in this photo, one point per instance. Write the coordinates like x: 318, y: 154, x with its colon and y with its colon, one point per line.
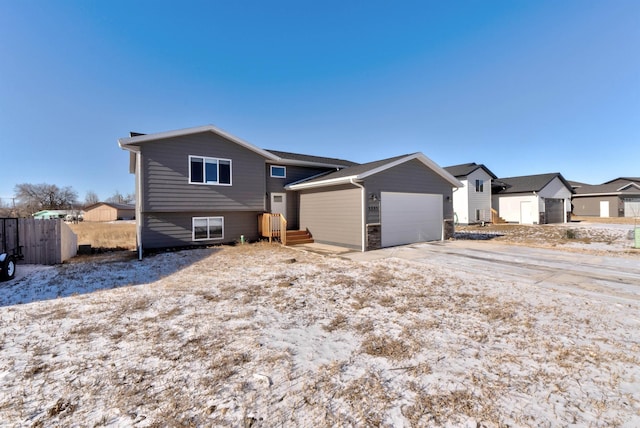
x: 199, y: 186
x: 533, y: 199
x: 616, y: 198
x: 472, y: 203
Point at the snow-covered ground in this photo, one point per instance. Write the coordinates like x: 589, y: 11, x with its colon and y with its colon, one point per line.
x: 260, y: 335
x: 602, y: 238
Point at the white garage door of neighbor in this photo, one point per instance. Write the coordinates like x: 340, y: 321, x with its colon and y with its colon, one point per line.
x: 410, y: 217
x: 632, y: 208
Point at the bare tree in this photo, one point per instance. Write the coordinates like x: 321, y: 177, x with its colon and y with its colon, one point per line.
x: 91, y: 198
x: 119, y: 198
x: 36, y: 197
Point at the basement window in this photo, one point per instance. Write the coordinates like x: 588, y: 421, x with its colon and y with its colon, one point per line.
x: 207, y: 228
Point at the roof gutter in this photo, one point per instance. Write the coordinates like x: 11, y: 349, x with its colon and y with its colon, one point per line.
x: 362, y: 212
x: 323, y: 183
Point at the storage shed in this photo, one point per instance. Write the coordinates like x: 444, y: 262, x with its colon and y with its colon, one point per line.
x: 107, y: 211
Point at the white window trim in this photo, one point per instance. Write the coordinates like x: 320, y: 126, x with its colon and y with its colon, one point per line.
x: 217, y: 183
x: 193, y: 228
x: 278, y: 176
x: 480, y: 185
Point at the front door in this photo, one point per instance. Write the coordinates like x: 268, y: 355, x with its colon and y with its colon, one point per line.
x: 526, y: 212
x: 279, y: 204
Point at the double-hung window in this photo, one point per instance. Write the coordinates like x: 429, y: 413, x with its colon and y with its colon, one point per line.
x: 207, y: 228
x: 479, y: 185
x: 204, y: 170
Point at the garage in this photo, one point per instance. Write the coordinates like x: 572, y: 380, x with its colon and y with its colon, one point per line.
x: 632, y: 207
x: 410, y: 217
x: 554, y: 210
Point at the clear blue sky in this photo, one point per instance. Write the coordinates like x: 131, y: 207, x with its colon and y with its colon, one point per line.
x: 524, y: 87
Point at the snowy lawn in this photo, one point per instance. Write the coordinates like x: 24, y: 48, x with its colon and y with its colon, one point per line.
x: 260, y: 335
x: 584, y: 236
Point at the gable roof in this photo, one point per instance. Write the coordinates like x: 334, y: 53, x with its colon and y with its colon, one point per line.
x: 362, y: 171
x: 612, y: 188
x: 527, y: 183
x: 633, y: 179
x: 132, y: 143
x: 465, y: 169
x: 300, y: 159
x: 112, y: 205
x: 576, y: 184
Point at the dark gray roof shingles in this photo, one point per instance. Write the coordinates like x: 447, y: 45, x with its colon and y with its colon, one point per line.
x: 465, y: 169
x: 311, y: 158
x: 526, y: 183
x: 354, y: 170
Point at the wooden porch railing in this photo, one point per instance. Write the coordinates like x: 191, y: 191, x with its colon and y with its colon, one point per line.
x: 495, y: 218
x: 273, y: 226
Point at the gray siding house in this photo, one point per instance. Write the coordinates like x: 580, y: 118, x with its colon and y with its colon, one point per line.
x: 394, y: 201
x: 616, y: 198
x: 201, y: 186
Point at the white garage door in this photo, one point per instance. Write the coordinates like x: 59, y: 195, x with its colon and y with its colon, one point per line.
x: 632, y: 207
x: 410, y: 217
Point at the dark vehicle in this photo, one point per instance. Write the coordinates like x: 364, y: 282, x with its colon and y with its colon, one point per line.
x: 10, y: 249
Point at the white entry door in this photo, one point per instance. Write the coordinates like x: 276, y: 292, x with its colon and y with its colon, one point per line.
x: 526, y: 213
x: 604, y: 208
x: 279, y: 204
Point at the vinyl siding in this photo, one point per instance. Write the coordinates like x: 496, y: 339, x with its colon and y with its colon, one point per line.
x: 166, y: 188
x: 163, y: 230
x: 590, y: 205
x: 333, y: 215
x: 276, y: 185
x: 479, y: 200
x: 556, y: 190
x: 412, y: 177
x: 509, y: 207
x: 461, y: 203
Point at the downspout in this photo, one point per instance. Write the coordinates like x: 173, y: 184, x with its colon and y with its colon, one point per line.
x: 455, y: 215
x: 363, y: 226
x: 139, y: 204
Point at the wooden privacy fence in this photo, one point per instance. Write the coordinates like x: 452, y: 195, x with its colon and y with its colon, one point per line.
x: 46, y: 242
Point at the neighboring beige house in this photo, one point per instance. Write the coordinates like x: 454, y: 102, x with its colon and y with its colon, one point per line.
x: 107, y: 211
x: 616, y: 198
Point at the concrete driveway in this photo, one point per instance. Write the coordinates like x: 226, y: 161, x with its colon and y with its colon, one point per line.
x: 603, y: 277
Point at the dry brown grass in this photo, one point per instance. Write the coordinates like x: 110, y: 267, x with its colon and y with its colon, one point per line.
x: 199, y: 350
x: 387, y: 346
x: 607, y: 220
x: 546, y: 236
x: 108, y: 236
